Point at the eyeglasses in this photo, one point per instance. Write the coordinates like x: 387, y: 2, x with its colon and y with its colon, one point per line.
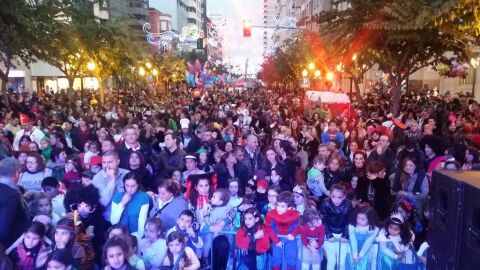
x: 31, y: 162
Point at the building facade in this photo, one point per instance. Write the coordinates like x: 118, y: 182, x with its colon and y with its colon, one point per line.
x: 160, y: 23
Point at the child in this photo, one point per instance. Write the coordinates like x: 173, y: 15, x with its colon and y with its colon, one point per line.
x: 60, y: 259
x: 300, y: 198
x: 272, y: 195
x: 92, y: 151
x: 219, y: 212
x: 278, y: 177
x: 362, y: 232
x: 184, y: 224
x: 115, y: 254
x: 32, y: 248
x: 153, y: 248
x: 253, y: 241
x: 247, y: 202
x: 178, y: 254
x: 315, y: 180
x: 261, y: 198
x: 135, y: 261
x: 44, y: 207
x: 313, y: 235
x: 86, y: 177
x: 64, y: 239
x: 394, y: 243
x: 336, y: 211
x: 283, y: 220
x: 51, y: 187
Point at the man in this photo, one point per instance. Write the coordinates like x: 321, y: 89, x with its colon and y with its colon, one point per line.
x: 108, y: 145
x: 13, y: 125
x: 190, y: 168
x: 253, y: 159
x: 27, y: 129
x: 333, y: 134
x: 171, y: 159
x: 383, y: 153
x: 14, y: 215
x: 109, y: 180
x: 130, y: 136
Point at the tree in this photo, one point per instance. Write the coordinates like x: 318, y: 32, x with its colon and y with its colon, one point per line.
x: 401, y: 35
x: 26, y: 30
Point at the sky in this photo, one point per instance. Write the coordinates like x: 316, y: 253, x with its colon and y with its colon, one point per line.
x: 240, y: 48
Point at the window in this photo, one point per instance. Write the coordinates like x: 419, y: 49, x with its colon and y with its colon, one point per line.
x: 469, y: 79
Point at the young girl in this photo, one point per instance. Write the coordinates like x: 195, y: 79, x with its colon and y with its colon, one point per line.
x: 93, y: 150
x: 394, y: 243
x: 64, y: 239
x: 178, y: 254
x: 362, y: 231
x: 272, y: 194
x: 153, y: 247
x: 44, y: 206
x: 234, y: 191
x: 278, y: 177
x: 252, y: 240
x: 135, y: 260
x: 32, y: 250
x: 115, y: 254
x: 300, y: 198
x: 313, y: 235
x: 202, y: 155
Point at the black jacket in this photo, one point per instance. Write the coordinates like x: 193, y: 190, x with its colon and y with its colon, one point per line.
x: 170, y: 162
x: 336, y: 218
x: 14, y: 215
x: 124, y: 153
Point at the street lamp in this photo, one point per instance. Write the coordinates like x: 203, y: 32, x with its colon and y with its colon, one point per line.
x: 305, y: 73
x: 91, y: 66
x: 474, y: 62
x: 330, y: 76
x: 311, y: 66
x: 317, y: 73
x: 154, y: 72
x: 148, y: 65
x: 141, y: 71
x: 354, y: 57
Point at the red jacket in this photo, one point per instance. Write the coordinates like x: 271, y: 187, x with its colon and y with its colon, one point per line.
x: 282, y: 224
x: 262, y: 245
x: 317, y: 234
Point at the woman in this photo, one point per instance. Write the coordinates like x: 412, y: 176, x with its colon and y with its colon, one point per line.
x: 471, y: 158
x: 311, y: 143
x: 24, y: 142
x: 202, y: 157
x: 288, y: 158
x: 412, y: 185
x: 168, y: 203
x: 272, y: 161
x: 57, y: 139
x: 31, y: 179
x: 379, y: 189
x: 359, y: 170
x: 21, y: 156
x: 130, y: 207
x: 72, y: 173
x: 227, y: 170
x: 137, y: 164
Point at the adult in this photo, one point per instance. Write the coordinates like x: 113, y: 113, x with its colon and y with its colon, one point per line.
x: 130, y: 136
x: 383, y: 153
x: 130, y: 207
x: 81, y: 133
x: 29, y: 130
x: 196, y: 141
x: 378, y: 191
x: 108, y: 145
x: 253, y: 158
x: 58, y: 159
x: 190, y: 168
x: 412, y: 184
x: 287, y: 156
x: 137, y: 164
x: 109, y: 180
x: 13, y: 210
x: 227, y: 170
x: 168, y: 203
x: 434, y: 153
x: 31, y: 179
x: 172, y: 158
x: 271, y: 161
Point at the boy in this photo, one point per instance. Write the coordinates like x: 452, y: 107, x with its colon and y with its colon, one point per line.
x: 184, y: 224
x: 315, y: 180
x: 283, y: 220
x: 336, y: 211
x: 51, y: 187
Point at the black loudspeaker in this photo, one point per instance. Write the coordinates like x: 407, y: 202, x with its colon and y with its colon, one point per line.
x: 454, y: 227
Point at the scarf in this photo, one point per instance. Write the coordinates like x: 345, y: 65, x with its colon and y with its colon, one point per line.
x: 200, y: 201
x: 250, y: 258
x: 27, y: 257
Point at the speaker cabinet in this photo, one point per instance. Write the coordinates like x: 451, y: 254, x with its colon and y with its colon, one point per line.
x: 454, y: 227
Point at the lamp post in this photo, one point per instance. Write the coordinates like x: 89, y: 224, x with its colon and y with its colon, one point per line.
x: 155, y: 75
x: 91, y: 67
x: 474, y: 62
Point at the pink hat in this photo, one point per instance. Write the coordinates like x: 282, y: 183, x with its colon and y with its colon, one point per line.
x: 95, y: 160
x: 262, y: 183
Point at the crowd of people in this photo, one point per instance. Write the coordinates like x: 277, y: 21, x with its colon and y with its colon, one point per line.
x: 228, y: 180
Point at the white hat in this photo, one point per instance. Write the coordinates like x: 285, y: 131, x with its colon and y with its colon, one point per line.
x: 184, y: 123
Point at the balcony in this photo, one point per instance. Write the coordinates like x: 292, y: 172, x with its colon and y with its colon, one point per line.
x: 192, y: 15
x: 191, y: 3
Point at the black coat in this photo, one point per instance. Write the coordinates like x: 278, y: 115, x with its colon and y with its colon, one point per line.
x: 14, y: 215
x: 124, y: 153
x: 336, y: 218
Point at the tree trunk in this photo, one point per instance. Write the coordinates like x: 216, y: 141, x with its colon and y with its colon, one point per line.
x: 356, y: 82
x: 4, y: 92
x: 70, y: 82
x: 396, y: 95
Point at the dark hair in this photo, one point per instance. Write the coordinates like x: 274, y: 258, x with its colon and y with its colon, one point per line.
x: 116, y: 242
x: 375, y: 167
x: 37, y: 228
x: 55, y: 153
x: 50, y: 181
x: 369, y: 212
x: 65, y: 223
x: 62, y: 256
x: 180, y: 236
x: 133, y: 176
x: 255, y: 213
x: 187, y: 213
x: 76, y: 162
x: 240, y: 188
x: 194, y: 193
x: 285, y: 197
x: 287, y: 147
x: 309, y: 215
x: 281, y: 172
x: 337, y: 143
x: 224, y: 195
x: 157, y: 222
x: 141, y: 157
x: 405, y: 233
x: 174, y: 137
x: 338, y: 187
x: 39, y: 159
x: 119, y: 226
x: 171, y: 186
